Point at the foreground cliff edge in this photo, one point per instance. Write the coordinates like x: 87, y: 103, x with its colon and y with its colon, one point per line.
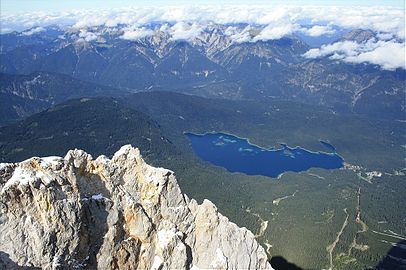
x: 77, y: 213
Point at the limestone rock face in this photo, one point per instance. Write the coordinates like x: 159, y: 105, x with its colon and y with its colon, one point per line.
x: 80, y: 213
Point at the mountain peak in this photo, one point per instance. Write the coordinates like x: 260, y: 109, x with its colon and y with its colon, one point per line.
x: 121, y: 213
x: 358, y: 35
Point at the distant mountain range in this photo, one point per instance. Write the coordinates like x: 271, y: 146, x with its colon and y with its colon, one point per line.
x: 211, y: 64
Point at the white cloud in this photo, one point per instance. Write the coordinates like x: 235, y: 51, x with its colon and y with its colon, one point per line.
x: 278, y: 31
x: 5, y: 30
x: 340, y: 48
x: 32, y: 31
x: 87, y: 36
x: 136, y: 33
x: 388, y: 55
x: 385, y: 36
x: 185, y: 31
x: 318, y: 30
x: 379, y: 19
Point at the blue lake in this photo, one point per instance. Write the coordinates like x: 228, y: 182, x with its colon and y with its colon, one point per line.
x: 238, y: 155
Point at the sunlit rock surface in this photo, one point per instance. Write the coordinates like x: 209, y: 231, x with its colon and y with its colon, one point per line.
x: 80, y: 213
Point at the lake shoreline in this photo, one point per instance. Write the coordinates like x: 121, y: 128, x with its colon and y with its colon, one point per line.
x: 237, y: 154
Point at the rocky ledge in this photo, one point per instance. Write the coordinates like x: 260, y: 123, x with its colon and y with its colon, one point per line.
x: 120, y: 213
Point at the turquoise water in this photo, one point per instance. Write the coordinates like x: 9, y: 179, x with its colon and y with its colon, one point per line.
x: 238, y: 155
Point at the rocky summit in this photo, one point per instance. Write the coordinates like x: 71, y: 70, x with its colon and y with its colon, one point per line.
x: 120, y: 213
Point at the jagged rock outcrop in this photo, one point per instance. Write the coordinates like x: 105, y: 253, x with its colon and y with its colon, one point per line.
x: 80, y: 213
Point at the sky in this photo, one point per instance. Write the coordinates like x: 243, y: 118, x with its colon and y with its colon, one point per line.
x: 14, y: 6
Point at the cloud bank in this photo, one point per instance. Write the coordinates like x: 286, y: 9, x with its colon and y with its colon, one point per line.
x: 275, y: 31
x: 390, y: 55
x: 87, y: 36
x: 32, y: 31
x: 273, y: 22
x: 185, y: 31
x: 318, y: 30
x: 132, y: 33
x: 379, y: 19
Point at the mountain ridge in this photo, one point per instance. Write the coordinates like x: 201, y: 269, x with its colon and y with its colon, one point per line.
x: 211, y: 63
x: 80, y: 213
x: 24, y: 95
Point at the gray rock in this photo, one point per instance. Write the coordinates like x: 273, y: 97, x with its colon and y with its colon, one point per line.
x: 80, y: 213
